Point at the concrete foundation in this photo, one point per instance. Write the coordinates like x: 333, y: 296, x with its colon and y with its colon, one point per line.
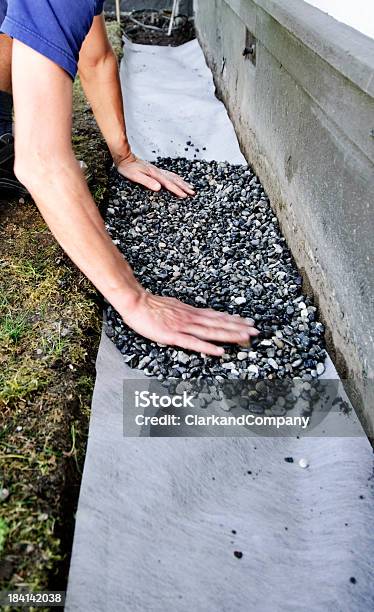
x: 301, y: 101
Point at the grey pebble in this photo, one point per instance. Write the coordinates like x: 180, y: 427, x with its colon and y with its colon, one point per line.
x: 273, y: 364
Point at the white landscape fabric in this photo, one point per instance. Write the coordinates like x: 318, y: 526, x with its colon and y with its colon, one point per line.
x: 157, y: 516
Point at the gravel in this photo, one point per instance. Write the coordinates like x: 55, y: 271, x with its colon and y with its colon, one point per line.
x: 222, y: 249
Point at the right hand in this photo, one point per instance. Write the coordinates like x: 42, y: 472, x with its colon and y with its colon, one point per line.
x: 169, y: 321
x: 153, y: 178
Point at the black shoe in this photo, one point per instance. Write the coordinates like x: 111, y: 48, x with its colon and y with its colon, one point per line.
x: 8, y: 180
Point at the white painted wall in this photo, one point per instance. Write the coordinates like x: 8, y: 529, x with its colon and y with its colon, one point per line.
x: 358, y: 14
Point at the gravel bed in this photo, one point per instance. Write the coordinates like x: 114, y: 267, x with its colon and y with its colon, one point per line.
x: 221, y: 249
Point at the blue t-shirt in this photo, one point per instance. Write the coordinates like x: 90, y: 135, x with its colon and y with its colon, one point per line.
x: 54, y: 28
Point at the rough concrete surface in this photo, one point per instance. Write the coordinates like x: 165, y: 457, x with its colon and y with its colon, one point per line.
x: 160, y: 519
x: 303, y: 113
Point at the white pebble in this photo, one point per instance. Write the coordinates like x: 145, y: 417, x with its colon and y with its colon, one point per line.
x: 224, y: 407
x: 253, y: 369
x: 4, y: 494
x: 143, y: 362
x: 303, y: 463
x: 273, y: 364
x: 228, y: 366
x: 242, y: 355
x: 320, y: 369
x: 182, y: 357
x: 240, y: 300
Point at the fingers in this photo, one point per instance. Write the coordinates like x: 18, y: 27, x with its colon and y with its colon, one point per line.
x: 167, y: 320
x: 172, y: 182
x: 217, y: 334
x: 192, y: 343
x: 210, y: 317
x: 154, y: 178
x: 216, y: 326
x: 182, y: 183
x: 142, y: 178
x: 172, y: 187
x: 229, y: 323
x: 146, y: 180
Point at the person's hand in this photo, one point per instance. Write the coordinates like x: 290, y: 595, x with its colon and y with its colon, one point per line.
x: 153, y: 178
x: 169, y: 321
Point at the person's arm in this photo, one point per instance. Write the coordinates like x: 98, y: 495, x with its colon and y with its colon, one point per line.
x: 46, y: 165
x: 98, y: 71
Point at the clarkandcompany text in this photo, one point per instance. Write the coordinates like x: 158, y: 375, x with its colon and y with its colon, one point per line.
x: 144, y: 399
x: 210, y: 420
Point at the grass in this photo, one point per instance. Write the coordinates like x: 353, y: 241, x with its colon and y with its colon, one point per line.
x: 50, y: 321
x: 3, y: 534
x: 12, y: 329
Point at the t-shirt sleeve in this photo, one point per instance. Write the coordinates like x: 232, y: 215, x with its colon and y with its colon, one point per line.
x: 99, y: 7
x: 54, y: 28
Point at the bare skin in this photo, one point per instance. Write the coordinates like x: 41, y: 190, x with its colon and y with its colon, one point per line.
x: 46, y: 165
x: 5, y: 63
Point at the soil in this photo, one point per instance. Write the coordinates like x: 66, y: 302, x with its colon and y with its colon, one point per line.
x: 183, y: 30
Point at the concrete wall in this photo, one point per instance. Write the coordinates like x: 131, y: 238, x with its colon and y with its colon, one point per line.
x: 304, y: 115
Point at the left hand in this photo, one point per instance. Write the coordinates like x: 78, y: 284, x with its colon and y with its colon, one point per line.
x: 153, y: 178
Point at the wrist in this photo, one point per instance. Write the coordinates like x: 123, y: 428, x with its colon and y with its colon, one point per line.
x: 122, y: 153
x: 127, y: 298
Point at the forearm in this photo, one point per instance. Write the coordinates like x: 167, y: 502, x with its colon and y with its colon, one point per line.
x: 45, y: 164
x: 63, y: 199
x: 100, y: 80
